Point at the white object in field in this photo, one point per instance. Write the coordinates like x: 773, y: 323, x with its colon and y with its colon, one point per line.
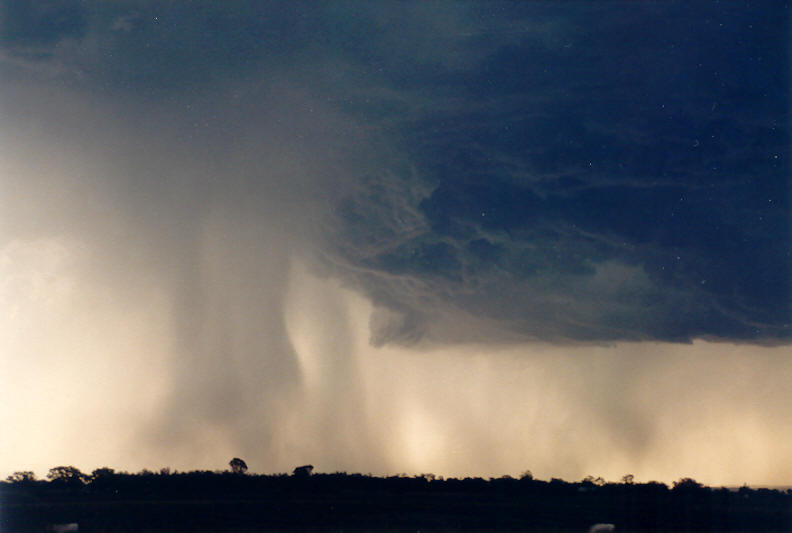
x: 602, y: 528
x: 64, y: 528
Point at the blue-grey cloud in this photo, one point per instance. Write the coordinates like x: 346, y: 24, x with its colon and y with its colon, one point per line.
x: 627, y: 181
x: 30, y: 24
x: 513, y: 167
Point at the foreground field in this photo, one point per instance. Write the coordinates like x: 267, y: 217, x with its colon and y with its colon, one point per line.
x: 226, y: 502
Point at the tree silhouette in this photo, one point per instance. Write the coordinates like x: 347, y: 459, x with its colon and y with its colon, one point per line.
x: 599, y: 481
x: 238, y: 466
x: 24, y: 476
x: 103, y: 472
x: 303, y: 471
x: 687, y: 484
x: 70, y: 476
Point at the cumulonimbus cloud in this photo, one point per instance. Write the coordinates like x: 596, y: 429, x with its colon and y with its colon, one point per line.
x: 481, y: 172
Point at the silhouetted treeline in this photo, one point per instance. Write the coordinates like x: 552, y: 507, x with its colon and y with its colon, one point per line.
x: 111, y: 501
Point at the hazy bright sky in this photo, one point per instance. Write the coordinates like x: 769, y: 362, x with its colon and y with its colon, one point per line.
x: 468, y: 238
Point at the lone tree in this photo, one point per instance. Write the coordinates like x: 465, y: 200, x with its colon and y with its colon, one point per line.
x: 303, y: 471
x: 238, y: 466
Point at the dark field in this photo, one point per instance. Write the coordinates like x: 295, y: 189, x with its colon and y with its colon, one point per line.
x: 226, y: 502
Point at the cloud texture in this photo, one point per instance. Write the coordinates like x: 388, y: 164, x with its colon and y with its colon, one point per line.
x: 480, y: 173
x: 570, y: 182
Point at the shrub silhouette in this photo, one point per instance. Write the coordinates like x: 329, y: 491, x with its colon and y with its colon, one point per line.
x: 238, y: 466
x: 303, y: 471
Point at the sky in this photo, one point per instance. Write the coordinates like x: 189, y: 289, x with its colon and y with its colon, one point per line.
x: 466, y: 238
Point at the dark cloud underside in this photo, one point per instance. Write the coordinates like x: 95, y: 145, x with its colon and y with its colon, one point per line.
x: 565, y: 172
x: 625, y: 180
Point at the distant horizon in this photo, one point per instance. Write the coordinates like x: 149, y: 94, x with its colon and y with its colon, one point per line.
x: 316, y: 471
x: 205, y: 500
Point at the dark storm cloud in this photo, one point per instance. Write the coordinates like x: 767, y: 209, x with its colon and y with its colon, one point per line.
x: 30, y: 24
x: 625, y: 180
x: 568, y: 172
x: 175, y: 175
